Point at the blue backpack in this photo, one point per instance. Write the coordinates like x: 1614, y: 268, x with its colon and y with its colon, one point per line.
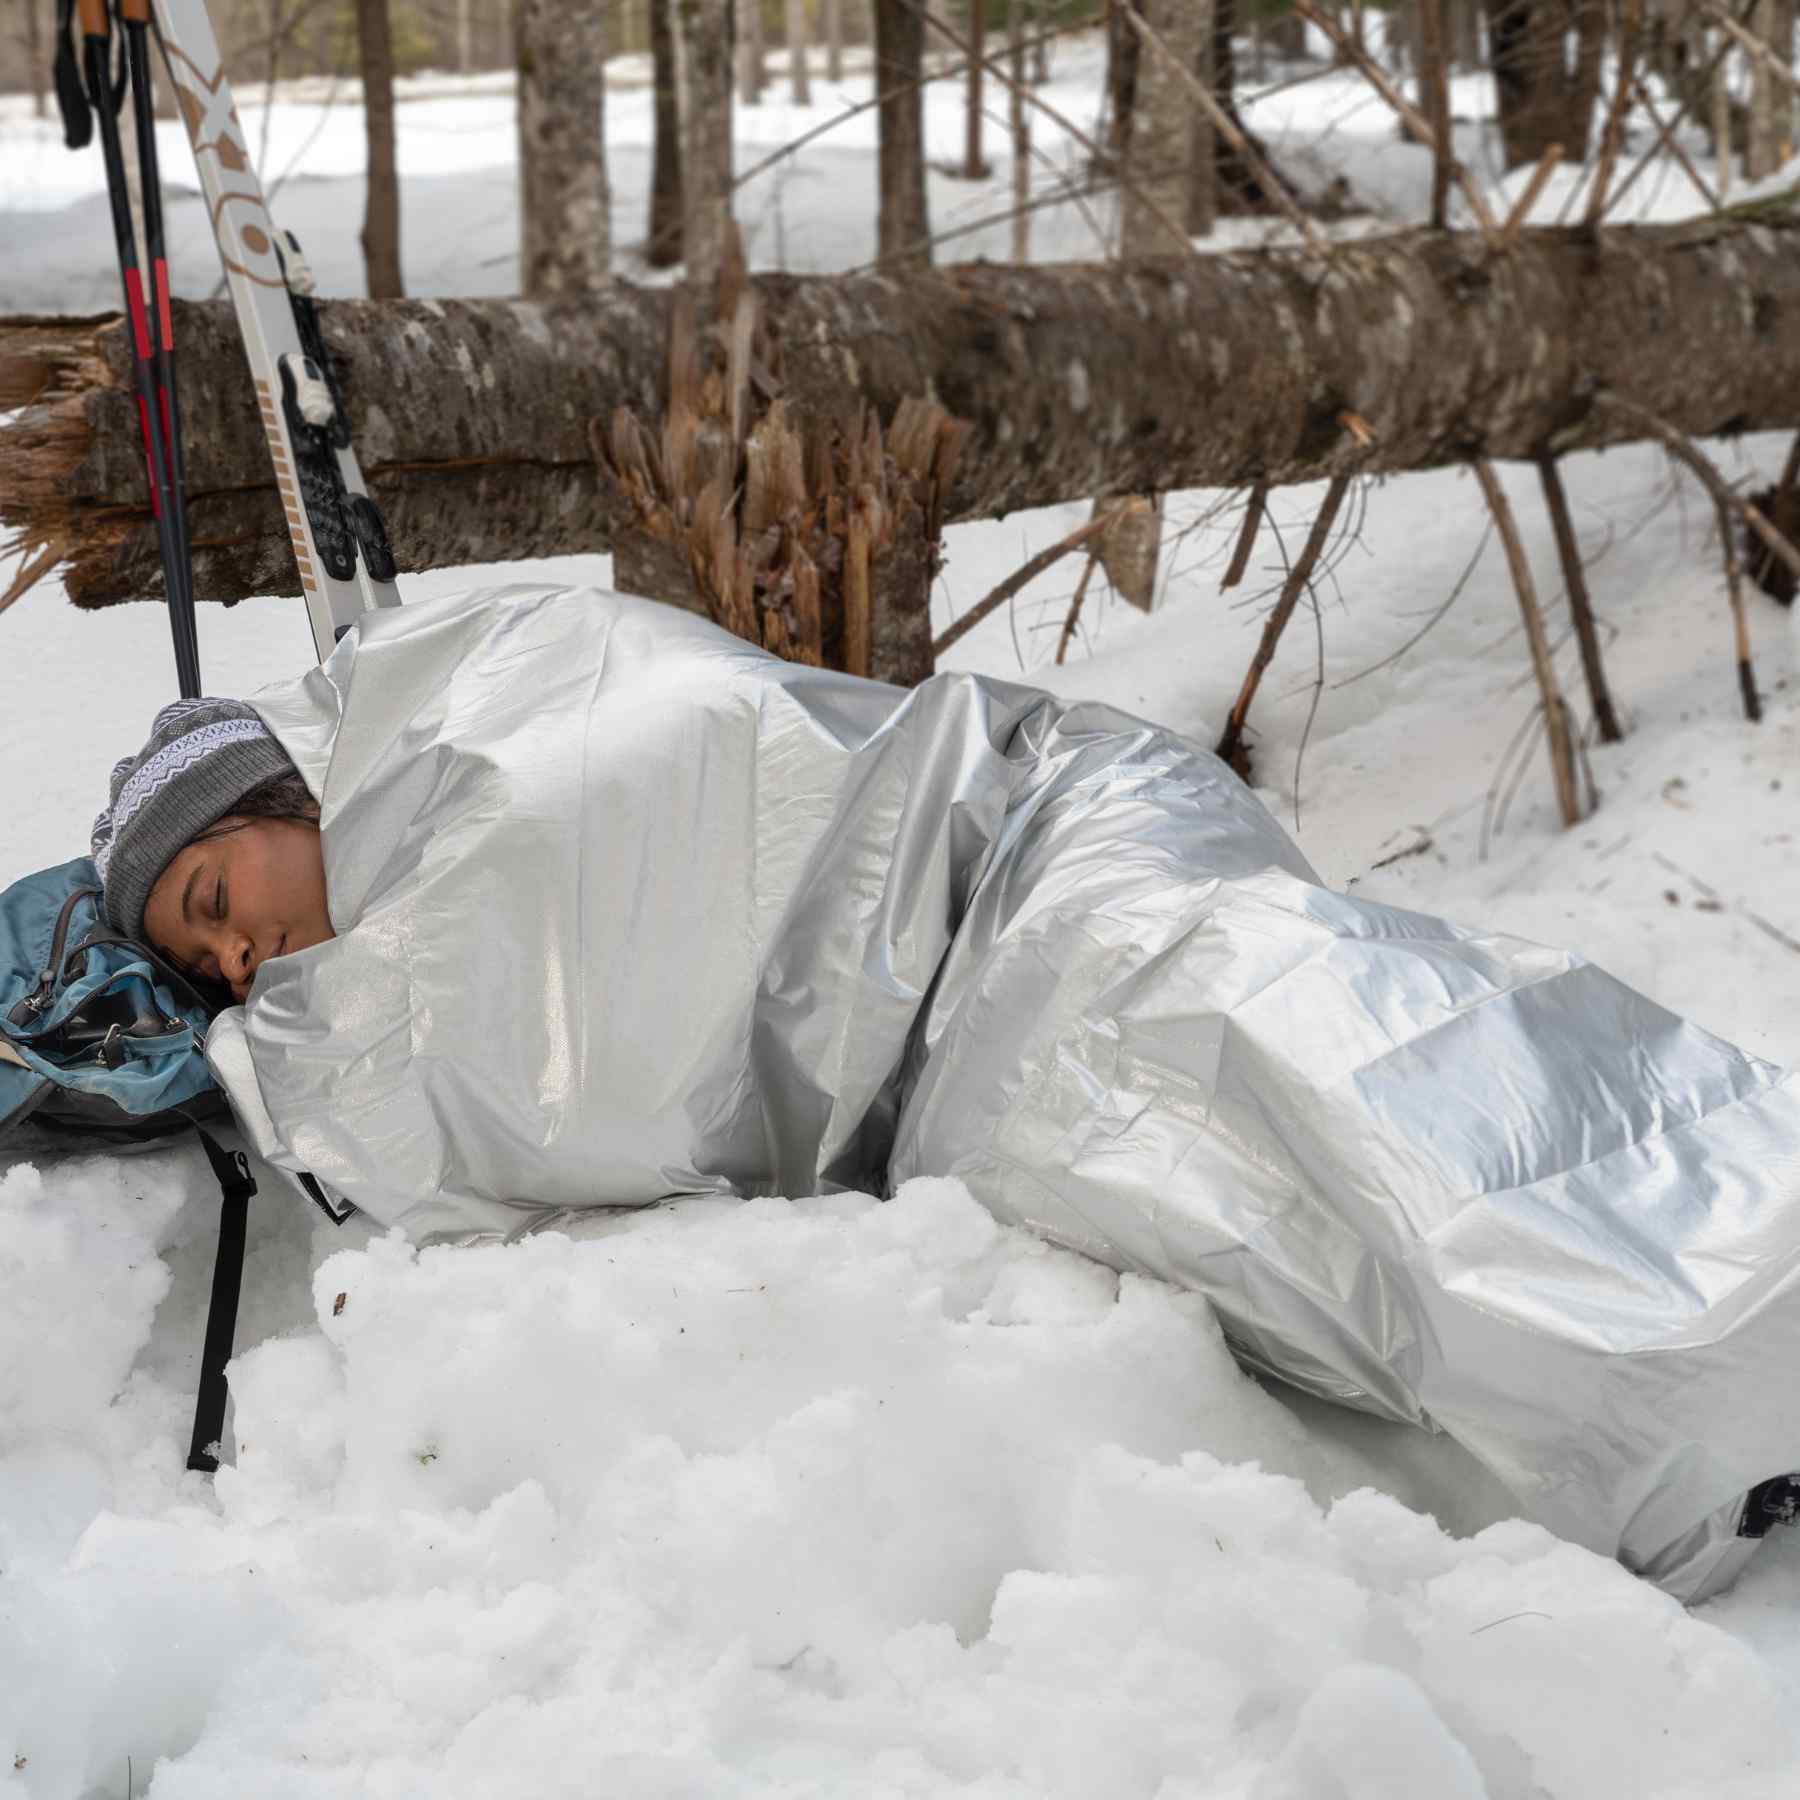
x: 101, y: 1039
x: 102, y: 1047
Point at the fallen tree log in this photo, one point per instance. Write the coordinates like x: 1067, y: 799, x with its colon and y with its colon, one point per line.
x: 1207, y: 371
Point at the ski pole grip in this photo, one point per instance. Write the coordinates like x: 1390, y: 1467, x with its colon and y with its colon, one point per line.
x: 94, y: 22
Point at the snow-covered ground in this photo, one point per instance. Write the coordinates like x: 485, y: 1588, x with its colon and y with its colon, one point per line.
x: 831, y: 1497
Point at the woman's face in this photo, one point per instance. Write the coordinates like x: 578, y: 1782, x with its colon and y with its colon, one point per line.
x: 227, y: 904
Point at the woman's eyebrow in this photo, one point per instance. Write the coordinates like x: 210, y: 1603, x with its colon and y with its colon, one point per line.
x: 187, y: 894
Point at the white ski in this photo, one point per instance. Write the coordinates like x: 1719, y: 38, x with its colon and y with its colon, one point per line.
x: 340, y: 543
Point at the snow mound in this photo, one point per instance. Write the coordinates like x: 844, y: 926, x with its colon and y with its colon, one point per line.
x: 772, y: 1498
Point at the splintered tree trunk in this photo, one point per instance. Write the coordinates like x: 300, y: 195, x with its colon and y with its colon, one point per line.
x: 664, y: 246
x: 706, y: 159
x: 565, y: 209
x: 800, y: 86
x: 381, y: 216
x: 814, y: 536
x: 903, y: 229
x: 1075, y: 380
x: 1546, y: 63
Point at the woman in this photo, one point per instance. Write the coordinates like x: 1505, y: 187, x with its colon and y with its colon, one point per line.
x: 615, y: 907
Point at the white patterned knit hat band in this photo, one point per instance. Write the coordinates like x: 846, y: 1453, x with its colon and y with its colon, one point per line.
x: 168, y: 764
x: 203, y: 756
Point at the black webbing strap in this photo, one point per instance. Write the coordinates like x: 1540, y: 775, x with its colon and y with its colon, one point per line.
x: 235, y: 1189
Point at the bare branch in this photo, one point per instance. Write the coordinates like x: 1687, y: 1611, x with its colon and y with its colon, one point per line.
x: 1019, y: 578
x: 1231, y: 740
x: 1556, y: 719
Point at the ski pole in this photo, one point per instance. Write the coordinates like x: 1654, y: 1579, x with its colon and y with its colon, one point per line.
x: 135, y: 14
x: 106, y: 98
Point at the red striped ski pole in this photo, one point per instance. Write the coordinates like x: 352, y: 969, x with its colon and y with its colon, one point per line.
x: 156, y: 412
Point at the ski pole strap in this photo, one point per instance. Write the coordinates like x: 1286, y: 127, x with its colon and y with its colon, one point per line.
x: 71, y: 93
x: 235, y: 1188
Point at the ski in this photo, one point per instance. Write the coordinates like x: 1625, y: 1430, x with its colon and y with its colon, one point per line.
x: 340, y: 542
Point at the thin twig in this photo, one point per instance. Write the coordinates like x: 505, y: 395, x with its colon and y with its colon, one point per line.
x: 1562, y: 758
x: 1409, y: 115
x: 1666, y: 136
x: 1462, y: 581
x: 1580, y: 607
x: 1515, y: 220
x: 1756, y: 47
x: 1253, y: 512
x: 1783, y: 938
x: 1068, y: 625
x: 1033, y: 98
x: 1227, y: 128
x: 1016, y: 580
x: 1701, y: 84
x: 1612, y: 133
x: 902, y: 89
x: 1726, y: 501
x: 1231, y: 740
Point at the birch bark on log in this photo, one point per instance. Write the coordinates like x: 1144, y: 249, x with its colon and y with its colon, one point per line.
x: 1076, y: 380
x: 706, y: 150
x: 565, y: 210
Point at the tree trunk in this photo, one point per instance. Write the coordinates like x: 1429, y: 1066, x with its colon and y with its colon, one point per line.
x: 1543, y: 95
x: 1203, y: 166
x: 834, y: 40
x: 35, y: 56
x: 706, y: 154
x: 663, y: 248
x: 1152, y: 206
x: 974, y: 164
x: 1159, y: 150
x: 752, y: 51
x: 1019, y: 116
x: 1075, y: 380
x: 1769, y: 137
x: 799, y: 85
x: 565, y: 210
x: 1465, y: 34
x: 903, y: 229
x: 1122, y: 49
x: 381, y: 216
x: 1287, y: 32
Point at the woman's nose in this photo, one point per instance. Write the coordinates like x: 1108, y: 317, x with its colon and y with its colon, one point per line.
x: 239, y: 964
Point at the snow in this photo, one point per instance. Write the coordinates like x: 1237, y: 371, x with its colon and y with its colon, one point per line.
x: 828, y: 1496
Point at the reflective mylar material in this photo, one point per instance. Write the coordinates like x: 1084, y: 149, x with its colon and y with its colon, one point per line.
x: 628, y: 910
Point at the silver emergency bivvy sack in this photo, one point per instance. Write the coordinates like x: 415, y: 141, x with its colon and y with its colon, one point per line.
x: 628, y: 909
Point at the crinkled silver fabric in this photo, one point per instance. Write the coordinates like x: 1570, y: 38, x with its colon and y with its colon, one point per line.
x: 627, y: 909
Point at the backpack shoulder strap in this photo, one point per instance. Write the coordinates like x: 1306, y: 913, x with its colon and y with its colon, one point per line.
x: 236, y: 1185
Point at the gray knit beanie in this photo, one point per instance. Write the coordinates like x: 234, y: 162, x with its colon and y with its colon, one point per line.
x: 202, y: 758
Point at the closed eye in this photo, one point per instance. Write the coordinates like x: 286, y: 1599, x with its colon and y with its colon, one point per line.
x: 218, y: 905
